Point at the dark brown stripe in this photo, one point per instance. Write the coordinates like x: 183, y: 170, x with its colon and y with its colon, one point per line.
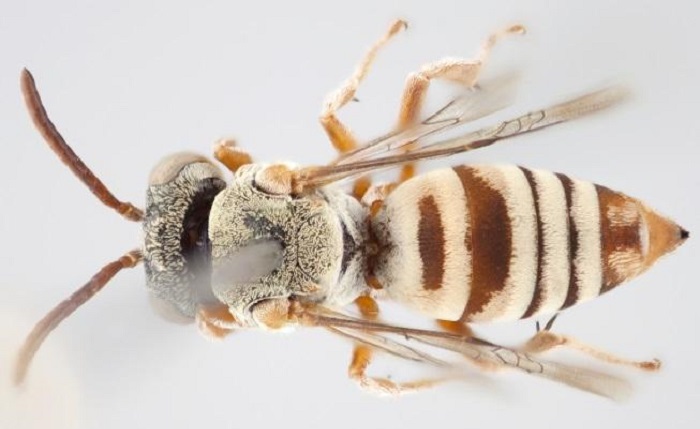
x: 615, y: 238
x: 537, y: 297
x: 431, y: 243
x: 572, y: 294
x: 490, y: 240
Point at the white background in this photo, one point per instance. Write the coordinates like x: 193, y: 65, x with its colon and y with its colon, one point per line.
x: 132, y: 82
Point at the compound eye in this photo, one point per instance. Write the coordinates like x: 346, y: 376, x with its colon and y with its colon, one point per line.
x: 169, y: 167
x: 167, y: 311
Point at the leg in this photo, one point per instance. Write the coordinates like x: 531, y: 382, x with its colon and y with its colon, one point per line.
x: 226, y: 151
x: 462, y: 71
x: 546, y: 340
x: 361, y: 186
x: 453, y: 327
x: 362, y: 357
x: 340, y: 135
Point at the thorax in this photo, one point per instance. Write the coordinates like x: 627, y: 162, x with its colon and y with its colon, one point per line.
x: 279, y: 246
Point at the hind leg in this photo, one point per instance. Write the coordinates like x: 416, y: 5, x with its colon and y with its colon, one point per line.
x: 458, y: 70
x: 545, y: 340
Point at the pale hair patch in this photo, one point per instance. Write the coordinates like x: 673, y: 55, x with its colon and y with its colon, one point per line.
x: 585, y: 214
x: 554, y: 260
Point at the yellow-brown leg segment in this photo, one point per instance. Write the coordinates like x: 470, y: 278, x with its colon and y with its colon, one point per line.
x: 462, y: 71
x: 453, y: 327
x: 362, y: 357
x: 226, y: 151
x: 546, y: 340
x: 340, y: 135
x: 360, y: 186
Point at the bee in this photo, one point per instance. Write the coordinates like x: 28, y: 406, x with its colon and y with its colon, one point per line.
x: 278, y: 246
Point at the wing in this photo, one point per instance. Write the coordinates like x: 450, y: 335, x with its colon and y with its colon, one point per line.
x: 482, y: 354
x: 475, y: 103
x: 389, y: 152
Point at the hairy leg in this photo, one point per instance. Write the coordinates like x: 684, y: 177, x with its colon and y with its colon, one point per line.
x: 340, y: 135
x: 229, y: 154
x: 462, y: 71
x: 546, y: 340
x: 362, y: 357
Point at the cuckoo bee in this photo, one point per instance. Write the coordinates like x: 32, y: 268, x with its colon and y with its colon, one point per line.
x: 278, y: 246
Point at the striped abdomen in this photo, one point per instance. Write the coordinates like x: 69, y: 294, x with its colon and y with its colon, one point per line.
x: 487, y: 243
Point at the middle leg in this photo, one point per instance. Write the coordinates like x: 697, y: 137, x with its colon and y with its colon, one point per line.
x: 340, y: 135
x: 362, y: 357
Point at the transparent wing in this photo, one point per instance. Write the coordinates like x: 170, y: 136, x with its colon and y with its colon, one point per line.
x: 483, y: 354
x: 389, y: 346
x: 474, y: 104
x: 367, y: 160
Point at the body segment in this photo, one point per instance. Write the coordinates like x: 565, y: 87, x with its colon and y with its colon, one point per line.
x: 489, y: 243
x: 266, y: 246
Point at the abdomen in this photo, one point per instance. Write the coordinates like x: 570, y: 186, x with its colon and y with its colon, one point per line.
x: 487, y: 243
